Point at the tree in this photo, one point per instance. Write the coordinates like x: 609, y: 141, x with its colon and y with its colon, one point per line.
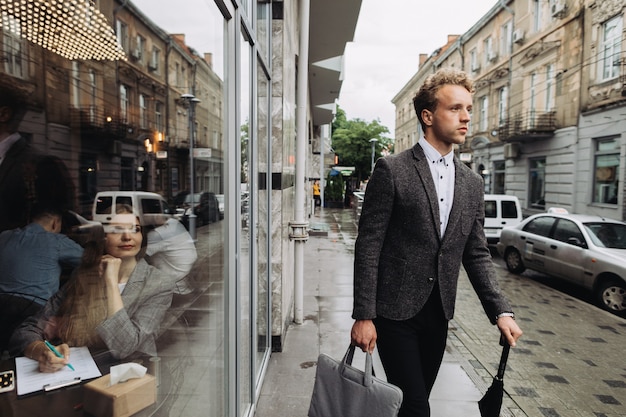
x: 351, y: 142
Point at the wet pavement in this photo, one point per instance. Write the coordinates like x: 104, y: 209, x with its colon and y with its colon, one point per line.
x: 569, y: 363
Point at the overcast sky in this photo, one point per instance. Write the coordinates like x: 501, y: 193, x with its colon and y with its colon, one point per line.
x: 390, y: 36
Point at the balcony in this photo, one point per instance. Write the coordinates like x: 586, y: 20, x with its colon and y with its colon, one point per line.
x: 528, y: 126
x: 93, y: 123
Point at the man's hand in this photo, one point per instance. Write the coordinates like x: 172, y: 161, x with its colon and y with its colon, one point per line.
x: 509, y: 329
x: 363, y: 335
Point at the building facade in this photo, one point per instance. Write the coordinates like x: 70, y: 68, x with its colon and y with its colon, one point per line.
x: 548, y: 83
x: 220, y: 96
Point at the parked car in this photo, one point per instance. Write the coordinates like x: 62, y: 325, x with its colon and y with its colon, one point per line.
x: 585, y: 250
x: 151, y: 208
x: 205, y: 207
x: 501, y: 211
x: 220, y: 202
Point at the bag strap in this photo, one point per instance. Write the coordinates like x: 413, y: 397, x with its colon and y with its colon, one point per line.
x: 369, y: 365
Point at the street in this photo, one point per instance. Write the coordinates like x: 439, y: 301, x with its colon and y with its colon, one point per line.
x: 568, y: 363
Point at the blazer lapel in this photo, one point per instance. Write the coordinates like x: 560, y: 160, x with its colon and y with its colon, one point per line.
x: 459, y: 196
x: 135, y: 283
x: 426, y: 178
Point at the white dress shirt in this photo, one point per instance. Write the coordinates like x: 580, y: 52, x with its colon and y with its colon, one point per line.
x: 442, y: 170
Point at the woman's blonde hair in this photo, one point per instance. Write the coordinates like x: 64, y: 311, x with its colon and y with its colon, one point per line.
x: 85, y: 304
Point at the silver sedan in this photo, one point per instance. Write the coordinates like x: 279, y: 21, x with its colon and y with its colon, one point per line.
x: 589, y: 251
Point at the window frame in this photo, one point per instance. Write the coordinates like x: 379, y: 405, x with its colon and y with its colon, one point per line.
x: 610, y: 48
x: 608, y: 178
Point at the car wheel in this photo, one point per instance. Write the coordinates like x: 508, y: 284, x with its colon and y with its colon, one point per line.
x: 513, y: 261
x: 612, y: 296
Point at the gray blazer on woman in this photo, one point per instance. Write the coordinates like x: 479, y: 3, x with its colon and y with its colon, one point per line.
x: 133, y: 329
x: 399, y: 254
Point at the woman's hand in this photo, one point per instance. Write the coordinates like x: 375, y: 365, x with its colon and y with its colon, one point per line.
x: 48, y: 361
x: 110, y: 269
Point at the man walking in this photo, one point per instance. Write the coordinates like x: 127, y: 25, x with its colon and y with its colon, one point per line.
x: 422, y: 218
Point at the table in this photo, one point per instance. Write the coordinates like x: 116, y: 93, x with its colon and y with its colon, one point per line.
x: 67, y: 402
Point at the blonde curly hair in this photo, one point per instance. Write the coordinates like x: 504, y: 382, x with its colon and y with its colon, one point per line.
x: 426, y: 96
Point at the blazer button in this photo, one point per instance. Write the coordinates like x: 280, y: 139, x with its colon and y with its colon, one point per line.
x: 431, y: 279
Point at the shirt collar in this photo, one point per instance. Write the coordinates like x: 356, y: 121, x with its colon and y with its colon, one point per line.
x: 433, y: 154
x: 6, y: 144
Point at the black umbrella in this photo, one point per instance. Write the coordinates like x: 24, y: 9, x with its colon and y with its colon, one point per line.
x: 491, y: 402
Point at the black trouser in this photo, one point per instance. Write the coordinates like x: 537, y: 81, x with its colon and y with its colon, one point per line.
x: 411, y: 352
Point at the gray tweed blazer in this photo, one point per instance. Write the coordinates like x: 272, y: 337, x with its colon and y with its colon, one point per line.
x: 399, y: 254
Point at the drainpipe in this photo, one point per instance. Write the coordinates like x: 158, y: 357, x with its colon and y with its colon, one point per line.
x: 299, y: 226
x: 510, y: 92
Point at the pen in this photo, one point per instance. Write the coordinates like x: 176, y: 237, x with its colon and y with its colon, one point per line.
x: 57, y: 353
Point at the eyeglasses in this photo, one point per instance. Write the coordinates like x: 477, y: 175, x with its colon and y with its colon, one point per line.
x: 121, y: 228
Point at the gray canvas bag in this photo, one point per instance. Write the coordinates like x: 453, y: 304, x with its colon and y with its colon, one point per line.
x: 341, y: 390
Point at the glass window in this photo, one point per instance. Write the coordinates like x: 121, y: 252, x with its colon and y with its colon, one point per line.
x: 506, y: 38
x: 182, y: 332
x: 140, y: 46
x: 155, y: 59
x: 124, y: 103
x: 536, y: 192
x: 550, y: 87
x: 509, y: 209
x: 532, y: 102
x: 606, y: 172
x: 484, y: 113
x: 247, y: 139
x: 76, y: 84
x: 488, y: 50
x: 14, y: 49
x: 122, y: 35
x: 143, y: 111
x: 93, y: 95
x: 474, y: 63
x: 537, y: 15
x: 540, y: 226
x: 608, y: 235
x: 566, y: 230
x: 491, y: 209
x: 498, y: 177
x: 503, y: 96
x: 611, y: 47
x: 158, y: 116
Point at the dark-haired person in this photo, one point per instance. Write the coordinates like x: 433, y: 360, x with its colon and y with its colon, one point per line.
x: 422, y: 218
x: 31, y: 262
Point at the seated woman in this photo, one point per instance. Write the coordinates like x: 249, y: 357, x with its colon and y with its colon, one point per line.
x: 113, y: 303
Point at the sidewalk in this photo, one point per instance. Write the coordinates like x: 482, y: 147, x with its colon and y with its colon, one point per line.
x: 289, y: 380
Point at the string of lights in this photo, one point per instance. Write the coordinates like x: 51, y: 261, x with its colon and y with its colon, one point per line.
x: 74, y: 29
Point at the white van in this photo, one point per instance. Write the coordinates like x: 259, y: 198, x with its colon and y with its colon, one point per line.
x: 500, y: 211
x: 152, y: 208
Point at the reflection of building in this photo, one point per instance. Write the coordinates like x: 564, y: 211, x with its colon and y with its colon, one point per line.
x: 546, y: 121
x: 124, y: 120
x: 121, y: 124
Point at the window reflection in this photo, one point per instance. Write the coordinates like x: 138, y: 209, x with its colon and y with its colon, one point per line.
x: 121, y: 126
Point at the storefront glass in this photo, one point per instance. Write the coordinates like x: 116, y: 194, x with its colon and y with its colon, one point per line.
x: 134, y: 151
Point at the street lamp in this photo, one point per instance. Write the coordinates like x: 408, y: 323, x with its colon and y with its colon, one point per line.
x: 191, y: 101
x: 373, y: 142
